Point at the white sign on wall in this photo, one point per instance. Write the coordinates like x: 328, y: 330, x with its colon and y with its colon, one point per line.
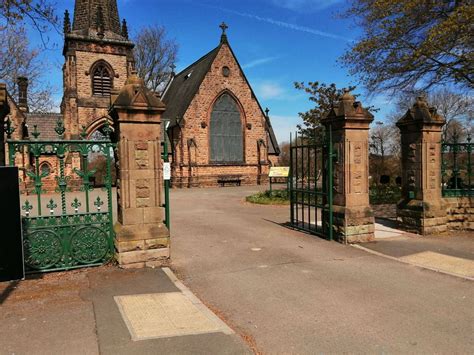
x: 166, y: 171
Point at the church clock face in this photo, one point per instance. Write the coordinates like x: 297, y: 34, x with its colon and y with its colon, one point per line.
x: 226, y: 71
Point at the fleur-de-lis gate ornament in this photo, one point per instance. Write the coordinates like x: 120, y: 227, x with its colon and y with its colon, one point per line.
x: 27, y: 207
x: 98, y: 203
x: 51, y: 206
x: 76, y: 204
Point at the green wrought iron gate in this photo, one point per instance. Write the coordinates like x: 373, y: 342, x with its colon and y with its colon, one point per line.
x: 457, y: 171
x: 311, y: 184
x: 67, y: 218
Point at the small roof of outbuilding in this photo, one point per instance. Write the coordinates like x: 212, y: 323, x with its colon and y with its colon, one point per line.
x: 45, y: 124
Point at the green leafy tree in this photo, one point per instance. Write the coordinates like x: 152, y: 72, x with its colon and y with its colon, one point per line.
x: 324, y: 96
x: 412, y: 43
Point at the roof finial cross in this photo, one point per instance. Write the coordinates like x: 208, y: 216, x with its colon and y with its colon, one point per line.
x: 223, y: 27
x: 173, y: 68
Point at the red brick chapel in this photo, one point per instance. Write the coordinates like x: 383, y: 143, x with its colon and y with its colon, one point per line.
x: 217, y: 129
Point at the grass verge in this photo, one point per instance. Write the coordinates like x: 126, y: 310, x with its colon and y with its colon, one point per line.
x: 275, y: 197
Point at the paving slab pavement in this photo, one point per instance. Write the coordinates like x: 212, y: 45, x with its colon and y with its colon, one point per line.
x: 75, y: 313
x: 291, y: 292
x: 385, y: 228
x: 46, y: 315
x: 451, y: 252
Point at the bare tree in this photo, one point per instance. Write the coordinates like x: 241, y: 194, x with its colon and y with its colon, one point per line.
x: 16, y: 60
x: 40, y: 14
x: 457, y: 108
x: 284, y: 157
x: 384, y: 147
x: 154, y: 55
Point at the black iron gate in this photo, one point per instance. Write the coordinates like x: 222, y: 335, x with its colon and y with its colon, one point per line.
x: 311, y: 183
x: 11, y: 252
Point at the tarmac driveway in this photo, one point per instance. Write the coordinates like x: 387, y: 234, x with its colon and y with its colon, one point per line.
x: 289, y: 292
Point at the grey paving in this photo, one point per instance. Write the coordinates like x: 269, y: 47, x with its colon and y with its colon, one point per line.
x: 47, y: 316
x: 290, y: 292
x: 113, y: 335
x: 75, y: 313
x: 458, y: 244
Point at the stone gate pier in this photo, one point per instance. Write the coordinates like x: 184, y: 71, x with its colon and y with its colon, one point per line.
x: 353, y: 216
x: 421, y: 209
x: 142, y: 239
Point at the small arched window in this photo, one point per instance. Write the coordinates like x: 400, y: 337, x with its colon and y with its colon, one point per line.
x: 226, y: 131
x: 101, y: 80
x: 45, y: 169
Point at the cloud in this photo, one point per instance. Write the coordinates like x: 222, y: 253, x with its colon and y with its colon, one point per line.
x: 269, y: 90
x: 258, y: 62
x: 305, y: 5
x: 287, y: 25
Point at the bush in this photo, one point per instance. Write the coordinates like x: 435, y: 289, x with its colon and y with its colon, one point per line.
x: 275, y: 197
x: 385, y: 194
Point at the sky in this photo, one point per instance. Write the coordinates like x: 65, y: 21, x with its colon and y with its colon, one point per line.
x: 277, y: 42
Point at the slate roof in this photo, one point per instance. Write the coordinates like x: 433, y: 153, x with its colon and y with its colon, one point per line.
x: 45, y: 122
x: 185, y: 85
x: 274, y: 148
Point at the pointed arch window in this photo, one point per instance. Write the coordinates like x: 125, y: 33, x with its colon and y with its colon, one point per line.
x: 102, y: 79
x: 226, y: 137
x: 45, y: 169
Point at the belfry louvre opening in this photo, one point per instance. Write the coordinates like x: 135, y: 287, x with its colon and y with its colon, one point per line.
x: 101, y: 81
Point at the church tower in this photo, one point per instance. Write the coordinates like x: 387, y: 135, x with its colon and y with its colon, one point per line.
x: 98, y: 58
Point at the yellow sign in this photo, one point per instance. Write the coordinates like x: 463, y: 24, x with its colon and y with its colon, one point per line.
x: 279, y: 172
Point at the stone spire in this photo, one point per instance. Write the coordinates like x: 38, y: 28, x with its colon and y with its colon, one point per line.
x: 86, y: 14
